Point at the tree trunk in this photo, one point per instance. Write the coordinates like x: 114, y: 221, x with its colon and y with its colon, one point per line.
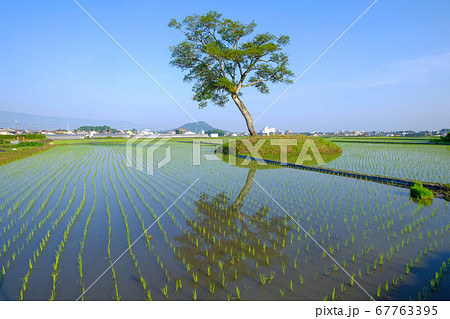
x: 245, y: 113
x: 246, y: 189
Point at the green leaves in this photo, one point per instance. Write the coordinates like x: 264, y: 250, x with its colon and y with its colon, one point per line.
x: 220, y: 63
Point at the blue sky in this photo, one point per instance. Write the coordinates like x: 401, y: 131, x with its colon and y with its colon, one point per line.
x: 390, y: 71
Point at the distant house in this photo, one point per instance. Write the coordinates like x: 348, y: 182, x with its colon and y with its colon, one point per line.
x: 146, y: 131
x: 181, y: 130
x: 61, y: 131
x: 92, y: 133
x: 7, y: 131
x: 214, y: 135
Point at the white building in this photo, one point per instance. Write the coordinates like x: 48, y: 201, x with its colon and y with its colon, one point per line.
x: 92, y: 133
x: 7, y: 131
x: 146, y: 131
x: 268, y: 130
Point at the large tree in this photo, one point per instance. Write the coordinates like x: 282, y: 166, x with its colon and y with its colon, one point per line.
x: 221, y: 63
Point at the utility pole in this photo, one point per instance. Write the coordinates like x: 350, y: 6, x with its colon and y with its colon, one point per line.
x: 16, y: 127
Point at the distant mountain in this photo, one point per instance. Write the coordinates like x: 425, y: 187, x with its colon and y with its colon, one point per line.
x: 193, y: 127
x: 39, y: 122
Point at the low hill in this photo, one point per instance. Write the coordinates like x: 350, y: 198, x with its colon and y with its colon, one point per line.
x: 196, y: 128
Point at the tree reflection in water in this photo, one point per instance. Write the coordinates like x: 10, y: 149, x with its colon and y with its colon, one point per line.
x: 227, y: 241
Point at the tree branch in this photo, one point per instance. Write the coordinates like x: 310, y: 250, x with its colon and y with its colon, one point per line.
x: 253, y: 83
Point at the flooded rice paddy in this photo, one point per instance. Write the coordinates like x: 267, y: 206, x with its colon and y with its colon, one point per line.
x: 427, y: 163
x: 66, y: 215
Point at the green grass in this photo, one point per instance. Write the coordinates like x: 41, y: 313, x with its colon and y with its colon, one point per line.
x: 8, y: 155
x: 25, y: 136
x: 29, y: 144
x: 327, y: 149
x: 420, y: 192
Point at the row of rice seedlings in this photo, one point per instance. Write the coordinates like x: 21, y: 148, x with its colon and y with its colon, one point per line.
x: 66, y: 234
x: 159, y: 260
x: 130, y: 251
x: 436, y: 282
x: 178, y: 282
x: 86, y: 227
x: 113, y: 271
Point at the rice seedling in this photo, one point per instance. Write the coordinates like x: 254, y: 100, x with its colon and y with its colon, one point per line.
x: 238, y: 293
x: 195, y: 277
x: 263, y: 279
x: 381, y: 260
x: 165, y: 291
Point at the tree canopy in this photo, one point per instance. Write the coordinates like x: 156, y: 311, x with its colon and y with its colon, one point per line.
x: 221, y: 62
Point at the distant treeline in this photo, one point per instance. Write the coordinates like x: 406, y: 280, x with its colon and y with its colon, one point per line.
x: 443, y: 139
x: 97, y: 129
